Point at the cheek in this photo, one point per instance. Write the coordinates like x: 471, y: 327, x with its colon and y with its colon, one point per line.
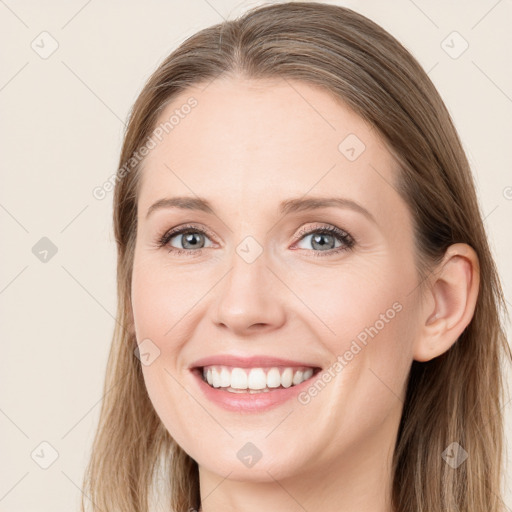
x: 156, y: 309
x: 156, y: 303
x: 368, y: 315
x: 348, y: 299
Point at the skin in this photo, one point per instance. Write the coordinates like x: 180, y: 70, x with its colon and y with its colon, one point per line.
x: 246, y: 147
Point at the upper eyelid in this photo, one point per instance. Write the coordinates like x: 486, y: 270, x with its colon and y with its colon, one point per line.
x: 178, y: 230
x: 331, y: 228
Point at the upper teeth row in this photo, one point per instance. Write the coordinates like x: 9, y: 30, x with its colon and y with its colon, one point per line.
x: 255, y: 378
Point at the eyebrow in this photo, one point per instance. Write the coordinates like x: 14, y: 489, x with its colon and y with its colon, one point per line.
x: 285, y: 207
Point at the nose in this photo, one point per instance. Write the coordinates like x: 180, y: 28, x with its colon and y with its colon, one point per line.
x: 249, y: 298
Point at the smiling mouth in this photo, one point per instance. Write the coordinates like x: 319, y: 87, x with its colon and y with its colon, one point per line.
x: 255, y: 380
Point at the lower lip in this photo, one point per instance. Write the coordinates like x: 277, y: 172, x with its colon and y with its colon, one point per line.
x: 249, y: 402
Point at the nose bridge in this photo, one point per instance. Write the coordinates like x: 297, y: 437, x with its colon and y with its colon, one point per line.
x: 248, y: 295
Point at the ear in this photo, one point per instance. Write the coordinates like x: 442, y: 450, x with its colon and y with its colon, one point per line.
x: 451, y: 301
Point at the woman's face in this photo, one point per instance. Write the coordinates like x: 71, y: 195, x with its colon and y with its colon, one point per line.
x: 257, y: 293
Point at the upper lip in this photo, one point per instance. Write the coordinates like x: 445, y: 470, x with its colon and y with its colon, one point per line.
x: 248, y: 362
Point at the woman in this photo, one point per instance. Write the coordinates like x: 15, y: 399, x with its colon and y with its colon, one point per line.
x: 309, y: 312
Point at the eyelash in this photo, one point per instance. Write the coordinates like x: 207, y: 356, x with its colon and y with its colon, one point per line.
x: 343, y: 236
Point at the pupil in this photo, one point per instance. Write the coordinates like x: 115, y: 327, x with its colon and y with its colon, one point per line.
x: 189, y: 239
x: 317, y: 238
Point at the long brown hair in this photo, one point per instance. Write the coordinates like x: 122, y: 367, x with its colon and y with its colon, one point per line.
x: 453, y: 398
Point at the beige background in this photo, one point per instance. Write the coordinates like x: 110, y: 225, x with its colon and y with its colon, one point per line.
x: 61, y: 128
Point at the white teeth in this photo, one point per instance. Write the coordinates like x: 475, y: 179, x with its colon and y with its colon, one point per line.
x: 238, y: 378
x: 307, y: 374
x: 216, y: 378
x: 297, y: 378
x: 273, y: 378
x: 225, y: 378
x: 257, y: 379
x: 254, y: 380
x: 286, y: 378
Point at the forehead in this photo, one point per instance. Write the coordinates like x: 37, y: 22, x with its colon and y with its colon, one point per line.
x: 264, y: 141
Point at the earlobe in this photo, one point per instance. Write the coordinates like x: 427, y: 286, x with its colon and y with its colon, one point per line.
x: 452, y: 300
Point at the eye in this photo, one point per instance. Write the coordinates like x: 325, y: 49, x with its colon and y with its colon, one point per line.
x: 324, y: 238
x: 191, y: 238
